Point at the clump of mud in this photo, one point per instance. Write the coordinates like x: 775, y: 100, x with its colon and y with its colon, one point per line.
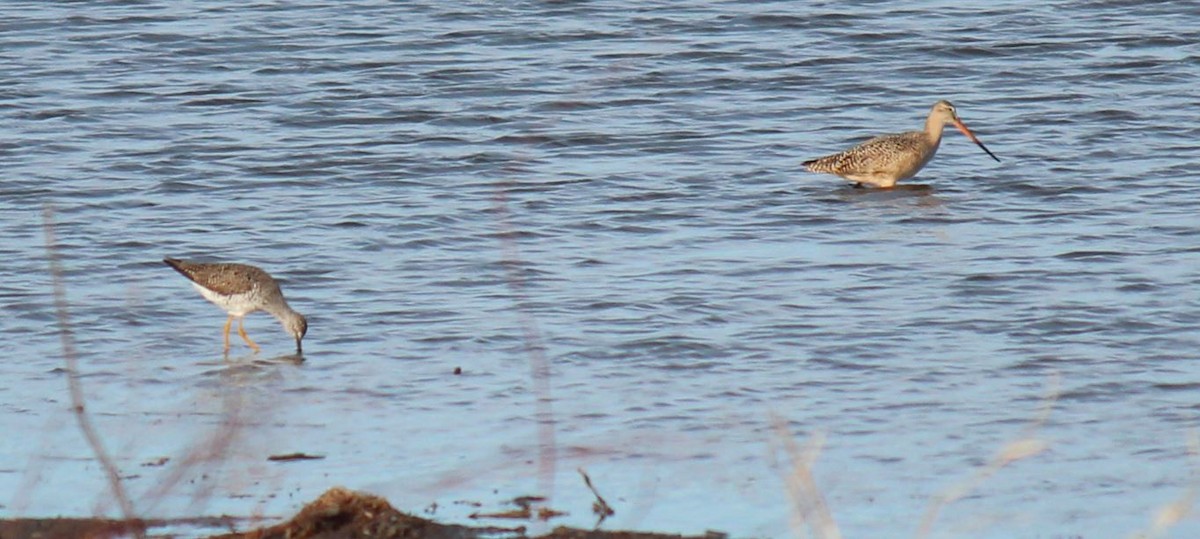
x: 344, y: 513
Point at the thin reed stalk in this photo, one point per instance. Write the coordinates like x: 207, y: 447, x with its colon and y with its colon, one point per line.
x: 74, y: 386
x: 539, y: 365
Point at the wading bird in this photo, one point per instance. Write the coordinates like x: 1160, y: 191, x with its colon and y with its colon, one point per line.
x: 241, y: 289
x: 887, y: 159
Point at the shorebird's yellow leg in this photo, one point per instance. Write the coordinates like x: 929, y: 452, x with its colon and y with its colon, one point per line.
x: 242, y: 332
x: 228, y: 324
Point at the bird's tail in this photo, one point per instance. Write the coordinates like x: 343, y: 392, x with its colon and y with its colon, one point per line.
x: 179, y: 266
x: 821, y: 164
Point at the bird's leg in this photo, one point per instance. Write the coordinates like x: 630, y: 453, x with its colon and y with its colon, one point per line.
x: 228, y: 323
x: 242, y: 332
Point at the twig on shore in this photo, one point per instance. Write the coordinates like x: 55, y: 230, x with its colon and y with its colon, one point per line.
x: 599, y: 507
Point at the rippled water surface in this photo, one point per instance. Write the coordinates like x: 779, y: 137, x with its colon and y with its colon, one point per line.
x: 437, y: 183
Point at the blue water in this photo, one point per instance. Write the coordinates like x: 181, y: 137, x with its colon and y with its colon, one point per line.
x: 687, y: 279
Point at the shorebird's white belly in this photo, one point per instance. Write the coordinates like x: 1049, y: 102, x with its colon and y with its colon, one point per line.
x: 236, y: 304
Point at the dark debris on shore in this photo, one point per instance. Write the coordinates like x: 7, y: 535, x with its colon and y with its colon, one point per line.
x: 339, y: 513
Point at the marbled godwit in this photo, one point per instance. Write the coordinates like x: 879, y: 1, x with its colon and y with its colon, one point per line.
x: 887, y: 159
x: 241, y: 289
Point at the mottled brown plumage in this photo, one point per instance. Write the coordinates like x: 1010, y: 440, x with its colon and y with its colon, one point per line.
x: 884, y: 160
x: 241, y: 289
x: 223, y: 278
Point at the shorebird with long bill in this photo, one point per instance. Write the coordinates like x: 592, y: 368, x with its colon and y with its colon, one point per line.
x: 884, y: 160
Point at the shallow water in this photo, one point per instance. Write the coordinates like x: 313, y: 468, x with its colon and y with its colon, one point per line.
x: 688, y: 280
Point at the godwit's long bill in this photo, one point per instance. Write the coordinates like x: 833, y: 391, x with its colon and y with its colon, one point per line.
x: 887, y: 159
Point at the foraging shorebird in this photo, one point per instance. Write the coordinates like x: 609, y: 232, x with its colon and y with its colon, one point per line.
x: 241, y: 289
x: 887, y: 159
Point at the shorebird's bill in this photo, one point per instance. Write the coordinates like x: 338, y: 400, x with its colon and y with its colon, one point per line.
x: 963, y: 127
